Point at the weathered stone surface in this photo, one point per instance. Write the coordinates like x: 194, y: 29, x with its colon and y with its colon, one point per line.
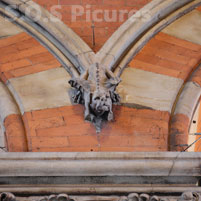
x: 7, y: 104
x: 7, y: 28
x: 148, y: 89
x: 188, y: 27
x: 2, y: 137
x: 100, y: 164
x: 47, y: 89
x: 194, y: 129
x: 7, y: 107
x: 188, y: 99
x: 198, y: 143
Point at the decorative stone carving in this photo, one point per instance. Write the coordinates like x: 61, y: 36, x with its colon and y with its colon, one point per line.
x: 186, y: 196
x: 7, y: 197
x: 60, y: 197
x: 190, y: 196
x: 141, y: 197
x: 96, y: 90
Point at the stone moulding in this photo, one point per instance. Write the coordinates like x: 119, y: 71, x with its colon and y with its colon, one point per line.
x: 185, y: 103
x: 100, y: 164
x: 45, y: 172
x: 93, y: 172
x: 7, y: 107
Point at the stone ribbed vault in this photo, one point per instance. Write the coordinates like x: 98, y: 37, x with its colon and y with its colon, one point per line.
x: 168, y: 94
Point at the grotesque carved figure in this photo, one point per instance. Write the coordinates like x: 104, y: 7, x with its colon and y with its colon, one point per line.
x: 96, y: 90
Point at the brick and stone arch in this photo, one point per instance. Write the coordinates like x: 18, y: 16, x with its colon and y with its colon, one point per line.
x: 183, y: 112
x: 50, y: 120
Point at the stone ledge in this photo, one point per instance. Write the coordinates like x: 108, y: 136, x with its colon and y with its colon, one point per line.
x: 94, y: 189
x: 167, y: 167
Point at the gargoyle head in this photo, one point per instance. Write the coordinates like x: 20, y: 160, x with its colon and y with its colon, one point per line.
x: 101, y: 103
x: 96, y: 90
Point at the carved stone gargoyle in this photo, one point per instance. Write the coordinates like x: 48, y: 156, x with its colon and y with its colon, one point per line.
x: 96, y: 90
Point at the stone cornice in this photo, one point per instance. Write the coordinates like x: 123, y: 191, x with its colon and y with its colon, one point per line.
x: 99, y: 173
x: 161, y: 164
